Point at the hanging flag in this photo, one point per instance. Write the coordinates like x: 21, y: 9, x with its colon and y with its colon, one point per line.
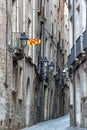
x: 31, y: 41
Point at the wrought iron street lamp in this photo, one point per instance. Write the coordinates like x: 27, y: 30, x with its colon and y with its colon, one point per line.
x: 23, y: 39
x: 45, y: 68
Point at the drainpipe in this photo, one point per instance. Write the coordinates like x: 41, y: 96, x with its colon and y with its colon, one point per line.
x: 43, y: 4
x: 42, y: 54
x: 6, y: 85
x: 74, y: 71
x: 63, y: 86
x: 57, y: 81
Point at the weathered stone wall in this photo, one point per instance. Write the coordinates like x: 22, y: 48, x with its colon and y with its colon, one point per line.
x: 2, y: 63
x: 13, y: 98
x: 2, y: 87
x: 19, y: 108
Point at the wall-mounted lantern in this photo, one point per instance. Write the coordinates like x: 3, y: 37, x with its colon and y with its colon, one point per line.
x: 45, y: 68
x: 23, y: 39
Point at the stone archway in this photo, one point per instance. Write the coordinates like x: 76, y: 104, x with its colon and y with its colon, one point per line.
x: 27, y: 101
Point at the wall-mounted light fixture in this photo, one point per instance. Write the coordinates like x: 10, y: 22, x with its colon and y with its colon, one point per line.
x: 23, y: 39
x: 44, y: 68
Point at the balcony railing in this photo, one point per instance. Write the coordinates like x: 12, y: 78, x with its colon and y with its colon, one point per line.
x: 78, y: 51
x: 78, y: 46
x: 71, y: 57
x: 85, y: 40
x: 69, y: 61
x: 73, y: 54
x: 80, y: 54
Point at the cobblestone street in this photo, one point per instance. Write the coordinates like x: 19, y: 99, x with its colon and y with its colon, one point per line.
x: 57, y: 124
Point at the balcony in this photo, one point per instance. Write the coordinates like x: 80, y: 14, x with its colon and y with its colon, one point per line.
x: 69, y: 61
x: 18, y: 50
x: 80, y: 54
x: 71, y: 58
x: 73, y: 54
x: 78, y: 47
x: 85, y: 41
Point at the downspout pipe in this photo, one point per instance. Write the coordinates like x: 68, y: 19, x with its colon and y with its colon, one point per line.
x: 86, y: 29
x: 43, y: 26
x: 74, y: 70
x: 42, y: 55
x: 43, y: 5
x: 5, y: 84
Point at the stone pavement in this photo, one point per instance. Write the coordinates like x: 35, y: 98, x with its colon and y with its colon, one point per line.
x: 62, y: 123
x: 57, y: 124
x: 75, y: 128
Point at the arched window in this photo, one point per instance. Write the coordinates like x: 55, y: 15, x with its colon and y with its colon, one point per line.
x: 13, y: 15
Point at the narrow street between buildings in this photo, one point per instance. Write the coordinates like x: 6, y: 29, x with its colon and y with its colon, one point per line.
x: 61, y: 123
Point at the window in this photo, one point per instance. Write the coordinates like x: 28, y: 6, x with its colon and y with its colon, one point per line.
x: 13, y: 15
x: 20, y: 83
x: 40, y: 4
x: 15, y: 73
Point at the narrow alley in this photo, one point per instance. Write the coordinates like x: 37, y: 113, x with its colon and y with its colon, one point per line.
x: 43, y: 64
x: 61, y: 123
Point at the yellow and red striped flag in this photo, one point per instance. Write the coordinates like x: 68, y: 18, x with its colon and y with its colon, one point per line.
x: 31, y: 41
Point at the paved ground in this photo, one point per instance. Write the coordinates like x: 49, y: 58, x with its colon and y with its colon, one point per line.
x: 57, y: 124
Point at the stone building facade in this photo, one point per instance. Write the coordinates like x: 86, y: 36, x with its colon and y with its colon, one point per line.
x: 63, y: 89
x: 27, y: 94
x: 17, y: 71
x: 77, y: 63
